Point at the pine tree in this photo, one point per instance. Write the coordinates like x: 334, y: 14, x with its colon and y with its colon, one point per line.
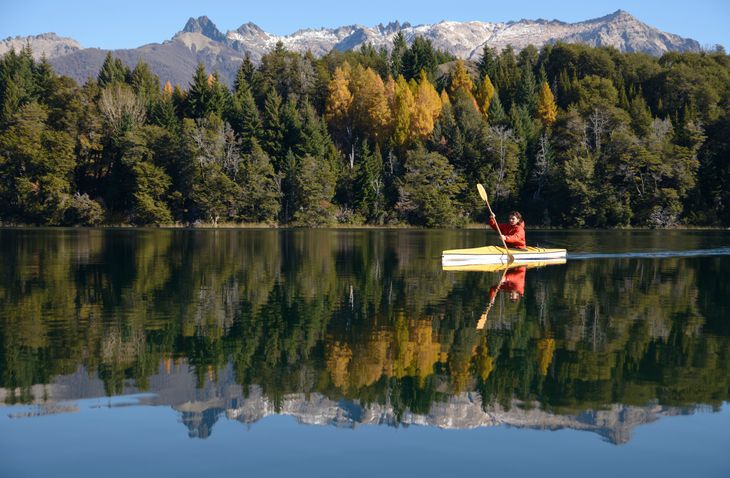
x: 243, y: 114
x: 112, y: 71
x: 260, y: 187
x: 526, y: 94
x: 497, y: 116
x: 273, y: 136
x: 488, y: 62
x: 640, y: 116
x: 163, y: 111
x: 291, y: 124
x: 370, y: 185
x: 199, y: 94
x: 145, y: 84
x: 396, y: 54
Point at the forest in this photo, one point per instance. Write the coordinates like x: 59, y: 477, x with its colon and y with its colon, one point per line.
x: 570, y: 135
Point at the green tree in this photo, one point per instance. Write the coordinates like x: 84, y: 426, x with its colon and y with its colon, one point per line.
x: 260, y: 188
x: 36, y: 165
x: 112, y: 71
x: 428, y: 191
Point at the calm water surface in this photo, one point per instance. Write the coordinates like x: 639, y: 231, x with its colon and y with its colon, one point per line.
x: 351, y: 352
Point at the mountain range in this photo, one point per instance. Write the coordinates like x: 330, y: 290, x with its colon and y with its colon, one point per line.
x: 201, y: 408
x: 200, y: 40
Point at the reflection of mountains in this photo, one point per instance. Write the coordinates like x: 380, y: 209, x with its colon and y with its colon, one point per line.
x: 201, y: 408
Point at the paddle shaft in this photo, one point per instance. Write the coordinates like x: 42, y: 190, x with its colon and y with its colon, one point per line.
x: 483, y: 194
x: 483, y: 319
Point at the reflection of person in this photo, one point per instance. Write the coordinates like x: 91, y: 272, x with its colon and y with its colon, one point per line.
x: 512, y: 281
x: 513, y: 232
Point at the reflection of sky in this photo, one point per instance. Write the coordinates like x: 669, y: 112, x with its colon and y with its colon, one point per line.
x: 127, y: 441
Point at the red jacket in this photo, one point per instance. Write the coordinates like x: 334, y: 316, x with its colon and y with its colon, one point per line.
x: 514, y: 280
x: 514, y: 236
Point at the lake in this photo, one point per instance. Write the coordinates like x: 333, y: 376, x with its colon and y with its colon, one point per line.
x: 154, y: 352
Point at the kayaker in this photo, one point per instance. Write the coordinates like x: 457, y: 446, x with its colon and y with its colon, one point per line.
x: 513, y: 282
x: 513, y: 232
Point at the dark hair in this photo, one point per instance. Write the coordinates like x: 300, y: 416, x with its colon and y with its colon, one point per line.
x: 517, y: 215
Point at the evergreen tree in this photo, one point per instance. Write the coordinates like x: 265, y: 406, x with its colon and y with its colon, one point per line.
x: 420, y: 56
x: 145, y: 84
x: 370, y: 185
x: 260, y: 188
x: 36, y: 166
x: 527, y: 94
x: 428, y: 190
x: 204, y: 95
x: 273, y: 136
x: 488, y: 62
x: 396, y: 54
x: 112, y: 71
x: 497, y: 116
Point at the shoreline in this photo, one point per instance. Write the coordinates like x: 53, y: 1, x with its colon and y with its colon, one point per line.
x: 232, y: 226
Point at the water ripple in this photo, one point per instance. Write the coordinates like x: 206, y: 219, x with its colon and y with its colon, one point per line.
x: 719, y: 251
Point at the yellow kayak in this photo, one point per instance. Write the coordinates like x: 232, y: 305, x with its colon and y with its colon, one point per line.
x: 501, y: 267
x: 497, y: 255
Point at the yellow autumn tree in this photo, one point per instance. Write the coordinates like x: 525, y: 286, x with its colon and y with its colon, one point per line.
x: 484, y: 364
x: 460, y: 79
x: 402, y: 110
x: 339, y: 97
x: 445, y: 98
x: 370, y: 110
x: 461, y: 83
x: 167, y: 90
x: 338, y: 355
x: 427, y: 107
x: 545, y: 351
x: 485, y: 93
x: 547, y: 110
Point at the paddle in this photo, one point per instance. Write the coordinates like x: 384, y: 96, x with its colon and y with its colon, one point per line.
x: 483, y: 194
x: 483, y: 319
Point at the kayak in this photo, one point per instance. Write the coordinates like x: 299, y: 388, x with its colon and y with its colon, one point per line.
x: 451, y: 266
x: 497, y: 255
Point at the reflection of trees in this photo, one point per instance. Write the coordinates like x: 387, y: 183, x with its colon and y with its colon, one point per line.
x: 364, y: 315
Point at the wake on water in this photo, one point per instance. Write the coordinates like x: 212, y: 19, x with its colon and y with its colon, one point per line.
x: 719, y: 251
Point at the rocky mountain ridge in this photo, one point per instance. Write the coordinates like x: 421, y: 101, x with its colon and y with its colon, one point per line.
x: 201, y: 408
x: 201, y: 40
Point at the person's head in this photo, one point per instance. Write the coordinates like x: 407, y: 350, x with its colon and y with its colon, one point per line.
x: 515, y: 218
x: 514, y: 296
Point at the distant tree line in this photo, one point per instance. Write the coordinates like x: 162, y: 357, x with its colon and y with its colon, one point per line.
x: 570, y: 135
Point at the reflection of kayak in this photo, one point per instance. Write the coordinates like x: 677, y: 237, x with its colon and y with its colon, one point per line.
x: 497, y: 255
x: 456, y: 266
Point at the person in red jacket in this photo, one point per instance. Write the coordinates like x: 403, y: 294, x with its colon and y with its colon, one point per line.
x: 513, y: 281
x: 512, y: 232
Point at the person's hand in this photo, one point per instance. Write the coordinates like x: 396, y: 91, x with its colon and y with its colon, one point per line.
x: 504, y: 238
x: 492, y: 215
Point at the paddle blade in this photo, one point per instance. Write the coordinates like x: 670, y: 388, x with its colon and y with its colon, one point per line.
x: 482, y: 192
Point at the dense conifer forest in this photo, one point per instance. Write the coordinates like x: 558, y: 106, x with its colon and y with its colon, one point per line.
x: 570, y: 135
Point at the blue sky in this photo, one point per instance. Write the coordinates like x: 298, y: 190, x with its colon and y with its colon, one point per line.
x: 131, y: 23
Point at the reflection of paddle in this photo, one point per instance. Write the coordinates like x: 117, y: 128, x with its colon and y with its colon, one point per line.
x: 483, y: 194
x: 483, y: 319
